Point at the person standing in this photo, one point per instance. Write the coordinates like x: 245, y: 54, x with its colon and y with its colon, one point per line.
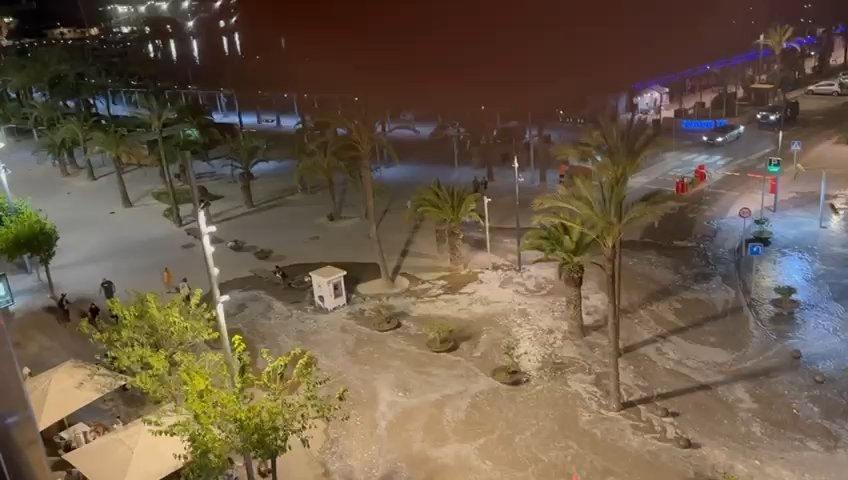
x: 168, y: 280
x: 93, y: 314
x: 485, y: 183
x: 64, y: 308
x: 185, y: 290
x: 475, y: 185
x: 107, y: 288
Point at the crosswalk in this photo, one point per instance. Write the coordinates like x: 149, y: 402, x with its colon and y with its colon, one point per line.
x: 677, y: 164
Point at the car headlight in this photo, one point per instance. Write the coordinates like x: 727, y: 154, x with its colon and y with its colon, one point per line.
x: 705, y: 138
x: 720, y: 139
x: 773, y: 117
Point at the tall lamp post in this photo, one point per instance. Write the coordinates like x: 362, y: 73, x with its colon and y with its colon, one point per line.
x: 517, y: 217
x: 4, y: 179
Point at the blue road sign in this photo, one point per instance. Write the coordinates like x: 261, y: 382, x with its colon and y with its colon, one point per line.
x: 755, y: 249
x: 796, y: 145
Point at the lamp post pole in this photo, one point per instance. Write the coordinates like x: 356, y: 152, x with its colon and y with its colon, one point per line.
x: 486, y: 201
x: 517, y: 214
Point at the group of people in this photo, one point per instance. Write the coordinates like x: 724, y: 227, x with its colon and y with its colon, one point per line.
x: 479, y: 186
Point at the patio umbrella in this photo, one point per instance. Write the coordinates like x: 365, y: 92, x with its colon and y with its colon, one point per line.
x: 66, y: 388
x: 133, y: 453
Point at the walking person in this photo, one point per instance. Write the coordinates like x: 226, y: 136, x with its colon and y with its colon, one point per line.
x: 185, y: 290
x: 475, y: 185
x: 168, y: 280
x: 64, y: 308
x: 107, y: 288
x: 485, y: 183
x: 93, y: 314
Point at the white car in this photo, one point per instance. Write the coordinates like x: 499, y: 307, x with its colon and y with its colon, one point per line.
x: 825, y: 88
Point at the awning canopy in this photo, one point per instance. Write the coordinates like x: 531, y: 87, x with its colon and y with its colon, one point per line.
x: 66, y: 388
x: 130, y: 453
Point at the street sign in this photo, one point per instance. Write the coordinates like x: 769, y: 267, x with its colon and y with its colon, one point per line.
x: 755, y: 249
x: 773, y: 164
x: 796, y: 145
x: 745, y: 212
x: 6, y: 298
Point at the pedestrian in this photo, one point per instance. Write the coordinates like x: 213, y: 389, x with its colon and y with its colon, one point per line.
x: 485, y: 183
x: 118, y: 423
x: 231, y: 474
x: 475, y: 185
x: 185, y: 290
x: 107, y: 287
x: 93, y: 314
x: 168, y: 280
x: 64, y: 308
x: 563, y: 167
x: 281, y: 275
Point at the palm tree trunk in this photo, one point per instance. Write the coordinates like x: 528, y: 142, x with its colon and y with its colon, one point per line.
x: 50, y: 286
x: 72, y: 159
x: 63, y: 166
x: 441, y: 237
x: 368, y: 189
x: 246, y: 193
x: 454, y: 245
x: 89, y: 167
x: 573, y: 279
x: 169, y: 184
x: 331, y: 187
x: 612, y: 333
x: 192, y: 182
x: 122, y: 186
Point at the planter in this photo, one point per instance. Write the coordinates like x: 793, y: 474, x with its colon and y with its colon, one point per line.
x: 383, y: 324
x: 263, y: 253
x: 785, y: 305
x: 436, y: 346
x: 235, y: 245
x: 509, y: 376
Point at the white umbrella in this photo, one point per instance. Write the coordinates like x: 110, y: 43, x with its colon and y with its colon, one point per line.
x: 66, y: 388
x: 129, y: 453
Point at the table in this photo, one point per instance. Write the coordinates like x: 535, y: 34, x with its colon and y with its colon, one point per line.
x: 68, y: 434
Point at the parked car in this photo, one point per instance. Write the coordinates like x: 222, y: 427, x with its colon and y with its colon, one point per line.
x: 447, y: 129
x: 829, y: 87
x: 777, y: 114
x: 842, y: 79
x: 723, y: 134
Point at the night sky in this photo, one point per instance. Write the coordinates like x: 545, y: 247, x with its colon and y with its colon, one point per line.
x: 529, y: 51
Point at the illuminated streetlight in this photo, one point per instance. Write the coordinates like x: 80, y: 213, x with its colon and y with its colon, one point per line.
x: 186, y: 4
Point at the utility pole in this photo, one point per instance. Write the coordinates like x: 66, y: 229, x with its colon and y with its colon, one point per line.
x: 821, y: 198
x: 517, y: 214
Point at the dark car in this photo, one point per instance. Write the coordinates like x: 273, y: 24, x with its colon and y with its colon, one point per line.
x: 510, y: 133
x: 777, y: 114
x: 447, y: 129
x: 724, y: 134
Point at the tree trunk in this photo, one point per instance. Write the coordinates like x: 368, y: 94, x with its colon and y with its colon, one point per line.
x: 455, y: 245
x: 364, y: 200
x: 63, y: 165
x: 273, y: 469
x: 368, y: 189
x: 331, y: 188
x: 122, y: 186
x: 573, y: 279
x: 441, y: 237
x: 72, y: 159
x: 246, y: 193
x: 169, y: 184
x: 192, y: 182
x: 89, y: 167
x: 49, y: 279
x: 612, y: 333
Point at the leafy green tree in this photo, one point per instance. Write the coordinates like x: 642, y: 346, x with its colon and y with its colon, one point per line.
x: 246, y: 150
x: 81, y: 129
x: 149, y: 337
x: 359, y: 145
x: 115, y: 144
x: 448, y: 207
x: 28, y: 232
x: 157, y: 114
x: 316, y: 158
x: 571, y: 248
x: 55, y: 145
x: 600, y: 207
x: 41, y: 115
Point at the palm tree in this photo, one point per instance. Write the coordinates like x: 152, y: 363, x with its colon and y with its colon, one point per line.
x: 157, y: 114
x: 55, y: 144
x: 776, y: 39
x: 604, y: 210
x: 43, y: 114
x: 247, y: 152
x: 448, y: 207
x: 316, y: 158
x: 358, y: 145
x: 570, y: 247
x: 80, y: 129
x: 117, y: 146
x: 201, y: 135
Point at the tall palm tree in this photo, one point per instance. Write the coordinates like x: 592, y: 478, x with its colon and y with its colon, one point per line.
x: 247, y: 152
x: 55, y: 144
x: 157, y: 113
x: 602, y: 205
x: 115, y: 144
x: 42, y: 114
x: 201, y: 136
x: 570, y: 247
x: 81, y: 129
x: 448, y: 207
x: 359, y: 145
x: 776, y: 39
x: 316, y: 158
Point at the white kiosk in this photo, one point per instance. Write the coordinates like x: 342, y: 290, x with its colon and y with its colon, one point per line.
x: 328, y: 287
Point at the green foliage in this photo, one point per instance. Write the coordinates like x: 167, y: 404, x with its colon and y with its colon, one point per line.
x: 80, y: 129
x: 776, y: 38
x: 316, y: 156
x: 785, y: 291
x: 446, y: 205
x: 360, y: 142
x: 512, y: 355
x: 247, y: 150
x: 54, y: 144
x: 563, y: 243
x: 28, y: 232
x: 115, y: 143
x: 762, y: 222
x: 149, y: 337
x: 438, y: 332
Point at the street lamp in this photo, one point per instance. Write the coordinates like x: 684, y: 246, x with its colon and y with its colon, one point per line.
x: 486, y: 201
x: 517, y: 218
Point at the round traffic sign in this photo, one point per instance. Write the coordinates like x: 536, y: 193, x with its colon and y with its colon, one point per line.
x: 745, y: 212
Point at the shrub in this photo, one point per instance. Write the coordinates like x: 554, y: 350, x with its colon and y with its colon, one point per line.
x: 438, y: 332
x: 785, y: 291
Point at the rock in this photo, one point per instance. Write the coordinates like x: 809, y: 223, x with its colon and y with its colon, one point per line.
x: 796, y: 354
x: 683, y: 442
x: 662, y: 412
x: 819, y: 378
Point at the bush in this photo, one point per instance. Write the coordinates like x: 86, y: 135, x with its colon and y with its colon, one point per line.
x: 785, y: 291
x: 438, y: 332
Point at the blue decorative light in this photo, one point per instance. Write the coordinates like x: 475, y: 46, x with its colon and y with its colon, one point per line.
x: 702, y: 124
